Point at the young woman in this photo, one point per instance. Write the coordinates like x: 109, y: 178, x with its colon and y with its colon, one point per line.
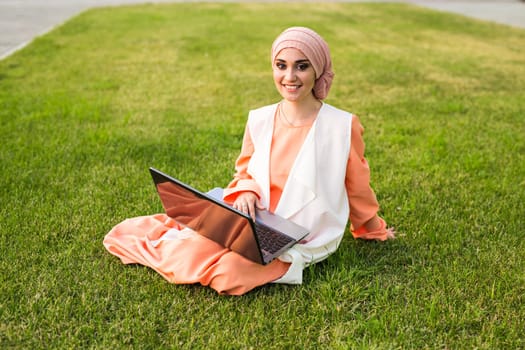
x: 301, y: 159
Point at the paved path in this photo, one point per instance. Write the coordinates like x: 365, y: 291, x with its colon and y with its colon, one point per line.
x: 22, y: 20
x: 509, y: 12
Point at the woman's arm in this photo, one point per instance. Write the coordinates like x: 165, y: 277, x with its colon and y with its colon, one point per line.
x: 243, y: 193
x: 366, y: 224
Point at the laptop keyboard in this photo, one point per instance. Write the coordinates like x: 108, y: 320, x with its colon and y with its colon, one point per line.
x: 270, y: 240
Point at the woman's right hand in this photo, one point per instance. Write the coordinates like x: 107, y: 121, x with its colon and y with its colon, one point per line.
x: 247, y: 202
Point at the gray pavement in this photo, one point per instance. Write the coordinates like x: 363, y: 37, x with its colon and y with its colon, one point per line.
x: 23, y: 20
x: 508, y: 12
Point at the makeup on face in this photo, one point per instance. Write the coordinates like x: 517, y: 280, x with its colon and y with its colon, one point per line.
x: 294, y: 76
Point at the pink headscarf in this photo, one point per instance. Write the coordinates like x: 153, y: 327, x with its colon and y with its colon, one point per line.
x: 316, y: 51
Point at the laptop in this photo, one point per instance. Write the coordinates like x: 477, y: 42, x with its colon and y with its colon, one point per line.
x: 261, y: 240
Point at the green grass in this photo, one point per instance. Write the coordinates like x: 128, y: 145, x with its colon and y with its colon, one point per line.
x: 86, y: 109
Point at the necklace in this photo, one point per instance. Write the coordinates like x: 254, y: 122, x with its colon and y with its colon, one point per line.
x: 281, y: 109
x: 285, y: 118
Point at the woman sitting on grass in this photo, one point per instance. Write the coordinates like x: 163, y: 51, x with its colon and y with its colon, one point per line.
x: 301, y: 159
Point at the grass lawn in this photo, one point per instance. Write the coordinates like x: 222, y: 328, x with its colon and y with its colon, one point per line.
x: 87, y: 108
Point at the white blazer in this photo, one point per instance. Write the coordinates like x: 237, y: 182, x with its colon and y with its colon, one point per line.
x: 314, y: 195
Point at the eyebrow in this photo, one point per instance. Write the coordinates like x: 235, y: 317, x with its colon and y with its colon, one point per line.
x: 298, y: 61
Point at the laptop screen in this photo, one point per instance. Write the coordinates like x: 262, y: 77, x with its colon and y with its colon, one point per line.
x: 207, y: 218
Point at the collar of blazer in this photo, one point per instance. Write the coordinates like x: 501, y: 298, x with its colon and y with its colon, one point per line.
x: 300, y: 188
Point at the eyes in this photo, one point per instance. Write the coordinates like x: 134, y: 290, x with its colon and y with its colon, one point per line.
x: 300, y: 66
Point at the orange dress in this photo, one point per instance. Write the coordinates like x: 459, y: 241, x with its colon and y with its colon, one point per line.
x: 181, y: 256
x: 286, y: 143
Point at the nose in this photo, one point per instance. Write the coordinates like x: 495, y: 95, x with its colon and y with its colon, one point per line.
x: 290, y: 74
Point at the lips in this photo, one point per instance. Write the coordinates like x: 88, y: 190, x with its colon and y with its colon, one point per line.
x: 291, y: 88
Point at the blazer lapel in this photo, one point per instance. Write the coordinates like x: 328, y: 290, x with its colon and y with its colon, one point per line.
x: 300, y: 186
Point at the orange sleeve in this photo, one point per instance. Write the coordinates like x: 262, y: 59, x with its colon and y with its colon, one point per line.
x: 361, y: 197
x: 242, y: 181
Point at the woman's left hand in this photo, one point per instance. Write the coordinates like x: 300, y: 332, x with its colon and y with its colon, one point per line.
x: 375, y: 228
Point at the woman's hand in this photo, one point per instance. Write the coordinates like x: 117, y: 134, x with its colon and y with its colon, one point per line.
x: 375, y: 228
x: 247, y: 202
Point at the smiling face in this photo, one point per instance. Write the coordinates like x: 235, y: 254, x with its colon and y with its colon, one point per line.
x: 293, y: 75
